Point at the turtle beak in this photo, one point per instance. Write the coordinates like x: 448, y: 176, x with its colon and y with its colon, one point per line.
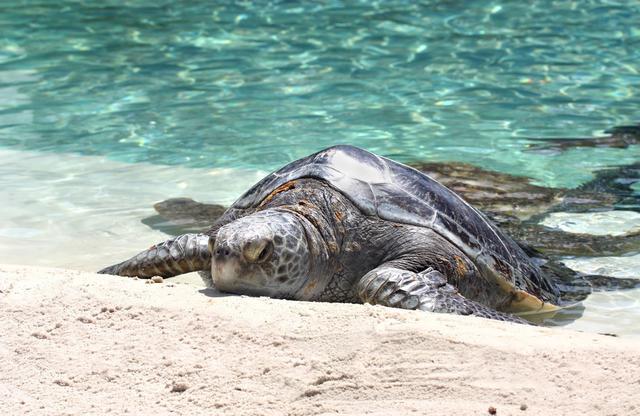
x: 224, y: 267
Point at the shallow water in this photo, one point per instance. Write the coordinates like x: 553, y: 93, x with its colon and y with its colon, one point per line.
x: 106, y: 108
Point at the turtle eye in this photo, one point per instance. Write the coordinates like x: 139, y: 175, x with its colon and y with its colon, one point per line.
x: 258, y: 251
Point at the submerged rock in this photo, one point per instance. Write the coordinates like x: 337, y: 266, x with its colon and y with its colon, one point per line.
x: 619, y: 137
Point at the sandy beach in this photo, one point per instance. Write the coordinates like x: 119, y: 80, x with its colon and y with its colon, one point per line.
x: 79, y: 343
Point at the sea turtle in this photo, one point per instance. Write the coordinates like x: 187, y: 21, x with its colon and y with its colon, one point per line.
x: 346, y: 225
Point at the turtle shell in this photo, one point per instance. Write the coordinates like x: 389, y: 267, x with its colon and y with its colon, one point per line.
x: 395, y: 192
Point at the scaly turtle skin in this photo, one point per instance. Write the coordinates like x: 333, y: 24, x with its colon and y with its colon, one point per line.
x: 345, y: 225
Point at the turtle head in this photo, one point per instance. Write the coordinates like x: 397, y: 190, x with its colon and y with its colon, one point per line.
x: 264, y: 254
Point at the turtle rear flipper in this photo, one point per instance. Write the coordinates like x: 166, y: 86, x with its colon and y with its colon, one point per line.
x: 183, y: 254
x: 427, y: 291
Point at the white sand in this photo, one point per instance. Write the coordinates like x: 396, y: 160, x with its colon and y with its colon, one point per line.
x: 79, y: 343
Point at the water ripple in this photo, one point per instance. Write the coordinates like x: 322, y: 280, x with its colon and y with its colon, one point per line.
x: 189, y: 83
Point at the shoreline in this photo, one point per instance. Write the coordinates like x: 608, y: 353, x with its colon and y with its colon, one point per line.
x: 76, y: 343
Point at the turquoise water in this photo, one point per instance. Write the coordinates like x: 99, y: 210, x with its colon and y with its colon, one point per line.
x: 239, y: 85
x: 226, y: 91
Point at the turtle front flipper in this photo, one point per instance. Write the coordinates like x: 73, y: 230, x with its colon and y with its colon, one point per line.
x: 427, y: 291
x: 183, y: 254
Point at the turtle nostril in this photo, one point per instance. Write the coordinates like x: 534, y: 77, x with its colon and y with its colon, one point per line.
x: 222, y: 251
